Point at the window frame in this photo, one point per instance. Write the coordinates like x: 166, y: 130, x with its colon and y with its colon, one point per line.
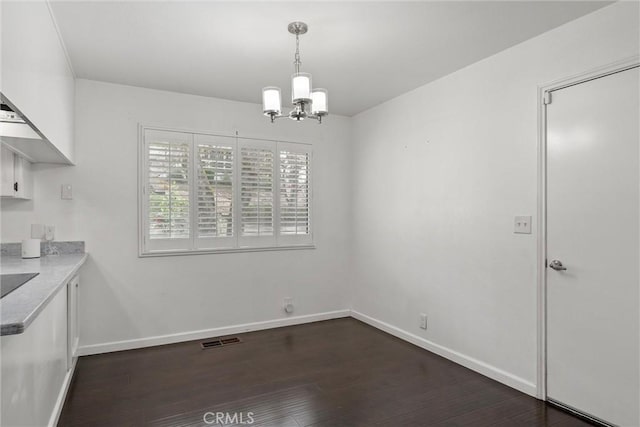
x: 236, y: 243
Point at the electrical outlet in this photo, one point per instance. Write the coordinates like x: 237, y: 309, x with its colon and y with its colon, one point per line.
x: 288, y: 305
x: 423, y: 321
x: 522, y: 225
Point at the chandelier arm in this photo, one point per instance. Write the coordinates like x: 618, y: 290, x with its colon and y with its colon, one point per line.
x: 315, y: 116
x: 274, y: 116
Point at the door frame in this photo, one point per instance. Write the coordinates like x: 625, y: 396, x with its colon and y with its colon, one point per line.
x: 544, y: 94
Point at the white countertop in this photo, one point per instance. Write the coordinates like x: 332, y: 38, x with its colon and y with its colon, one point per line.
x: 19, y: 308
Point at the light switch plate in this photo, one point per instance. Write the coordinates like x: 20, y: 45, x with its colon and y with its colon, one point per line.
x: 522, y: 225
x: 67, y: 192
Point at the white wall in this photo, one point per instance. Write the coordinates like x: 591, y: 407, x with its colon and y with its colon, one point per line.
x: 426, y: 222
x: 125, y: 297
x: 439, y: 174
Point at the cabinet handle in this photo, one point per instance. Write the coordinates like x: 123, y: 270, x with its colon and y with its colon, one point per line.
x: 15, y: 186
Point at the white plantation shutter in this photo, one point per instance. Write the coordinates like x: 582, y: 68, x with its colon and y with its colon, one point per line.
x: 257, y: 161
x: 215, y: 191
x: 294, y: 194
x: 207, y: 193
x: 167, y: 190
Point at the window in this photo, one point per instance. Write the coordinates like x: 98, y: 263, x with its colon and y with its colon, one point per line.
x: 207, y: 193
x: 294, y: 192
x: 168, y: 190
x: 257, y: 182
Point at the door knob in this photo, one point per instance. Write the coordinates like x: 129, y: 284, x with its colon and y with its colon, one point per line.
x: 557, y: 265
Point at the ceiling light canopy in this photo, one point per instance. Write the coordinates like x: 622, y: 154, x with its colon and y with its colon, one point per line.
x: 307, y: 102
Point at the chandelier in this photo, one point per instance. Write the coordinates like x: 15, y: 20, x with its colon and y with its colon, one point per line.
x: 307, y: 102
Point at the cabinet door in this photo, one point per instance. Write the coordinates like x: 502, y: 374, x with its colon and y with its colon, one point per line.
x: 33, y: 367
x: 23, y: 177
x: 6, y: 172
x: 73, y: 329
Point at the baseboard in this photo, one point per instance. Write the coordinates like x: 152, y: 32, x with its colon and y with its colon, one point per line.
x: 62, y: 395
x: 208, y: 333
x: 457, y: 357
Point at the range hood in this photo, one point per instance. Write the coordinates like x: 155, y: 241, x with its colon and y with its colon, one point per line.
x: 12, y: 125
x: 22, y: 137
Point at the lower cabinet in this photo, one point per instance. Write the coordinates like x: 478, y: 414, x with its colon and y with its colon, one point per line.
x: 36, y: 364
x: 73, y: 329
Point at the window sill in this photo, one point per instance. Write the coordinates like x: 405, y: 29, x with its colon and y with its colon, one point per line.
x: 224, y: 251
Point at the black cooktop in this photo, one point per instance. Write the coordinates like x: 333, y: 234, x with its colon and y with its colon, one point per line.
x: 11, y: 282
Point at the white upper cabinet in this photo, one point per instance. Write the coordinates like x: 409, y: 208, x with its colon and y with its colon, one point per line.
x: 36, y: 77
x: 6, y: 172
x: 16, y: 177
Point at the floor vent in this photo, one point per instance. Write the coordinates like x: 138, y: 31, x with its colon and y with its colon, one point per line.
x: 219, y: 342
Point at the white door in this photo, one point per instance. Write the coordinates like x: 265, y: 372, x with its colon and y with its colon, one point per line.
x: 593, y: 320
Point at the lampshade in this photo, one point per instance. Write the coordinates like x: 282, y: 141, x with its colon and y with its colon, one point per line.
x: 301, y: 87
x: 319, y: 102
x: 271, y: 100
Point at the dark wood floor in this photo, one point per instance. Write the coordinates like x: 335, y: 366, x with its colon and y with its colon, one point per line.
x: 333, y: 373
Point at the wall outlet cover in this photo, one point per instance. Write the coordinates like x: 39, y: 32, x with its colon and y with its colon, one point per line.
x: 288, y: 305
x: 423, y: 321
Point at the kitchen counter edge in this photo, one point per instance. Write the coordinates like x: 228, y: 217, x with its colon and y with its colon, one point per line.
x: 18, y: 327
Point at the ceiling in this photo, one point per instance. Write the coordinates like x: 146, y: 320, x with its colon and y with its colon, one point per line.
x: 364, y: 53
